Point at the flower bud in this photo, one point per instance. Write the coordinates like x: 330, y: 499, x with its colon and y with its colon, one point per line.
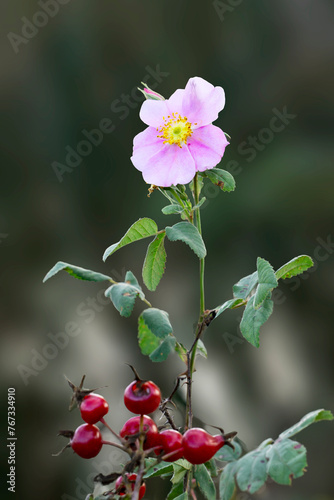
x: 150, y: 94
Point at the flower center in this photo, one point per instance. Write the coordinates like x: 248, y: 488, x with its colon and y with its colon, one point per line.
x: 176, y: 130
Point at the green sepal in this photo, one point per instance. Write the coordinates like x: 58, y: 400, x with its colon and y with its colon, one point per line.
x: 154, y: 264
x: 141, y: 229
x: 77, y: 272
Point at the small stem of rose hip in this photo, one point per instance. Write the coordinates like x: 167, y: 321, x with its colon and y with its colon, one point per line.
x: 102, y: 420
x: 142, y: 434
x: 119, y: 446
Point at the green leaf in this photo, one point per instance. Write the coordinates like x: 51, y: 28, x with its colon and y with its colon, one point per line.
x: 181, y: 351
x: 221, y: 178
x: 201, y: 349
x: 157, y: 321
x: 244, y: 287
x: 78, y: 272
x: 186, y: 232
x: 227, y: 481
x: 179, y: 473
x: 154, y: 264
x: 253, y: 319
x: 212, y: 467
x: 184, y: 496
x: 252, y: 471
x: 148, y: 342
x: 200, y: 203
x: 123, y: 295
x: 172, y: 209
x: 155, y: 334
x: 294, y: 267
x: 310, y: 418
x: 267, y: 281
x: 176, y: 491
x: 157, y: 469
x: 143, y: 228
x: 286, y: 461
x: 229, y: 304
x: 205, y: 482
x: 227, y: 454
x: 162, y: 352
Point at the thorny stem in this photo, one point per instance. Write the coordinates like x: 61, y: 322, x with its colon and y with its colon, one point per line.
x: 141, y: 469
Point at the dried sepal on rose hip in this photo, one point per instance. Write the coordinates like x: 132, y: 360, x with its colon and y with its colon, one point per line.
x: 199, y: 446
x: 142, y: 396
x: 93, y: 407
x: 86, y: 441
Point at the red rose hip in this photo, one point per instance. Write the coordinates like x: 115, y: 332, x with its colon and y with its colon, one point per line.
x: 142, y: 396
x: 87, y: 441
x: 93, y: 407
x: 132, y: 427
x: 199, y: 446
x: 171, y: 445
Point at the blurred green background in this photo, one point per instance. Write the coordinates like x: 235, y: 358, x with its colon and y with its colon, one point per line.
x: 82, y: 64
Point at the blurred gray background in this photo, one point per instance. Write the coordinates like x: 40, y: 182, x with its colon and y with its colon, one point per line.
x: 69, y: 66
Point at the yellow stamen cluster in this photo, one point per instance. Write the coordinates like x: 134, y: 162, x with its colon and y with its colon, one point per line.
x: 176, y: 130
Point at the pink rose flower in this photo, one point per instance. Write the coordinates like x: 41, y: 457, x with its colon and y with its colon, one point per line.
x: 180, y: 139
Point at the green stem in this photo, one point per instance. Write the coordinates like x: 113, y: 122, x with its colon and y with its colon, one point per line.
x: 191, y: 354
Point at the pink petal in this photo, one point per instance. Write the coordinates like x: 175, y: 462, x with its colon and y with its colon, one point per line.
x: 170, y: 166
x: 175, y: 102
x: 145, y: 145
x: 153, y: 112
x: 207, y: 146
x: 202, y: 101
